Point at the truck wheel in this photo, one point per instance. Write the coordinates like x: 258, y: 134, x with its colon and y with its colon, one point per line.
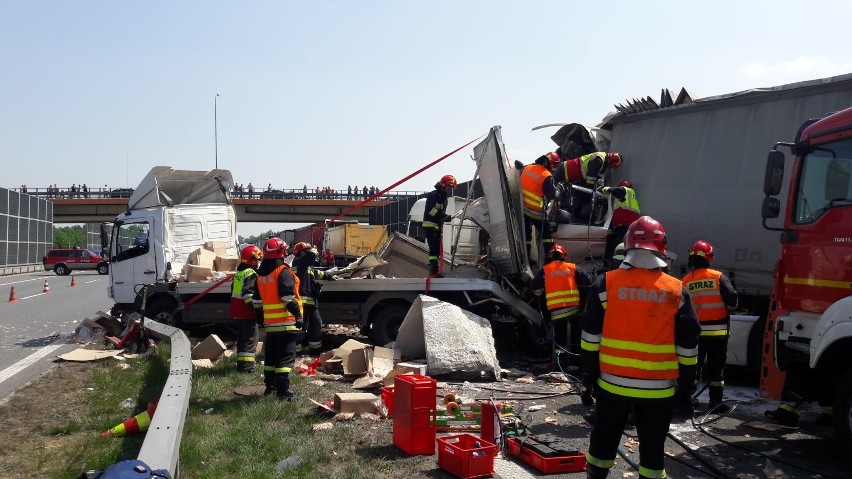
x: 386, y: 322
x: 61, y: 270
x: 103, y: 268
x: 843, y: 412
x: 536, y: 340
x: 162, y: 311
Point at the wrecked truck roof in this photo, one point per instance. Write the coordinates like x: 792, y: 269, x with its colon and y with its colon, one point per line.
x: 166, y: 186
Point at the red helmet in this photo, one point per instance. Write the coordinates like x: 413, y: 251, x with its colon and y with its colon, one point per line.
x: 558, y: 249
x: 251, y: 255
x: 553, y: 158
x: 703, y: 249
x: 646, y: 233
x: 615, y: 160
x: 448, y: 180
x: 626, y: 184
x: 301, y: 247
x: 274, y: 248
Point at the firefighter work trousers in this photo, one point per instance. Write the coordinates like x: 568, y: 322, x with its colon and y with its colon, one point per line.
x: 613, y: 239
x: 712, y: 354
x: 246, y: 344
x: 279, y: 360
x: 433, y: 240
x: 653, y: 418
x: 312, y: 342
x: 543, y: 234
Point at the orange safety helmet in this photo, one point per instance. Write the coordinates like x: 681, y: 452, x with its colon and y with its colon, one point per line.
x: 448, y: 180
x: 553, y: 159
x: 301, y: 247
x: 251, y: 255
x: 615, y: 160
x: 558, y: 249
x: 626, y: 184
x: 703, y: 249
x: 274, y: 248
x: 646, y: 233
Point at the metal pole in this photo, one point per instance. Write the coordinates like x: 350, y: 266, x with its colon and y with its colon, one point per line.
x: 216, y: 128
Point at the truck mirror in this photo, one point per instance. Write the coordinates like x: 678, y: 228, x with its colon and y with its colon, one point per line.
x: 774, y: 173
x: 771, y: 208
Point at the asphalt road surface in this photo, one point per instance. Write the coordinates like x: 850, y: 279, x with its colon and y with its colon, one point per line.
x: 36, y: 328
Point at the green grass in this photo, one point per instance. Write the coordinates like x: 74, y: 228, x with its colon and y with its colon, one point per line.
x: 51, y: 428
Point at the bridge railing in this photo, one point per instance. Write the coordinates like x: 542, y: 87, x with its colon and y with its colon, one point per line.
x: 285, y: 194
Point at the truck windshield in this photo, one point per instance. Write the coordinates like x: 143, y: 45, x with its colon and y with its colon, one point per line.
x: 824, y: 182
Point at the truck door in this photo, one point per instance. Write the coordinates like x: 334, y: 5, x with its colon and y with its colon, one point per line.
x: 133, y: 262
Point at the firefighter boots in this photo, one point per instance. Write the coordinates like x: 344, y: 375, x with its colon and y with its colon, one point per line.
x: 282, y: 385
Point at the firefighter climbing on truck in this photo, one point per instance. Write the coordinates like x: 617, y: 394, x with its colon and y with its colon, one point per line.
x: 434, y: 216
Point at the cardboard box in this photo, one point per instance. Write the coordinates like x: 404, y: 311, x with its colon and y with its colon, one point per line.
x: 357, y: 403
x: 222, y: 263
x: 355, y: 357
x: 217, y: 247
x: 211, y: 348
x: 194, y: 273
x: 384, y: 360
x: 202, y: 257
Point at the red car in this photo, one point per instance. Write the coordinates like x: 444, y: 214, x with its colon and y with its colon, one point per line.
x: 63, y: 261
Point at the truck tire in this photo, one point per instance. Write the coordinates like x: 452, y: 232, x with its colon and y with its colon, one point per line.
x: 386, y: 322
x: 162, y: 311
x: 843, y: 412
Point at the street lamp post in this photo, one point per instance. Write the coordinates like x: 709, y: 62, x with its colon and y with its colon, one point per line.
x: 216, y: 128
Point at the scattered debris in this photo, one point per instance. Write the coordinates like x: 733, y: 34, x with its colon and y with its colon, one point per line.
x: 84, y: 355
x: 323, y: 426
x: 290, y: 462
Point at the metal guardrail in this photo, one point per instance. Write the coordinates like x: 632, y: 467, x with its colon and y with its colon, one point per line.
x: 161, y: 447
x: 279, y: 194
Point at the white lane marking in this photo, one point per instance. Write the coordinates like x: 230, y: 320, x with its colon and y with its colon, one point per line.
x: 29, y: 360
x: 92, y: 281
x: 21, y: 281
x: 33, y: 296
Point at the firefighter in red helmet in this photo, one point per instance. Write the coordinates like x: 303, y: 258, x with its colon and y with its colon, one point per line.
x: 434, y: 215
x: 639, y: 349
x: 278, y: 295
x: 561, y: 282
x: 713, y: 296
x: 625, y: 211
x: 242, y: 309
x: 305, y: 257
x: 586, y: 171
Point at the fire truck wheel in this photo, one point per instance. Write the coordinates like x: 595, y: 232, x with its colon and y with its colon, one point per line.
x: 843, y: 412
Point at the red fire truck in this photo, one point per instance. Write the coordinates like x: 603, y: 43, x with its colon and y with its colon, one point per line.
x: 809, y: 331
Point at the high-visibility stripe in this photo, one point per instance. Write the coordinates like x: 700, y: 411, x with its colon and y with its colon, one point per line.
x: 637, y: 346
x: 638, y: 383
x: 714, y: 333
x: 687, y: 361
x: 686, y: 352
x: 602, y: 463
x: 592, y: 338
x: 638, y: 363
x: 826, y: 283
x: 429, y: 224
x: 562, y: 313
x: 637, y: 393
x: 652, y: 473
x: 587, y: 346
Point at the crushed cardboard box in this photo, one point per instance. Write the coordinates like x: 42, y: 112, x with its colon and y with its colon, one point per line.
x: 355, y: 357
x: 211, y: 348
x: 217, y: 247
x: 194, y: 274
x: 222, y: 263
x: 202, y: 257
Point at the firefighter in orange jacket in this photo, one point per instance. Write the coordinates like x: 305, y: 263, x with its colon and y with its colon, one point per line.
x: 639, y: 349
x: 712, y: 295
x: 537, y: 189
x: 278, y: 295
x: 242, y: 290
x: 560, y: 281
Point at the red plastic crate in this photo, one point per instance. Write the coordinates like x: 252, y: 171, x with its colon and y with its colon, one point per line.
x: 387, y: 398
x: 547, y: 465
x: 416, y: 436
x: 466, y: 456
x: 414, y: 391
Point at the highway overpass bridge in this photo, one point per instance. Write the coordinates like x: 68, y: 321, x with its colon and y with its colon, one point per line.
x: 257, y: 210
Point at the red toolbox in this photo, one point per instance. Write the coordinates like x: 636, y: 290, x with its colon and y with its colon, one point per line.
x: 548, y: 465
x: 466, y: 456
x: 414, y: 410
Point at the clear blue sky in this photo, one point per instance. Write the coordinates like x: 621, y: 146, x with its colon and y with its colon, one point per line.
x: 337, y: 93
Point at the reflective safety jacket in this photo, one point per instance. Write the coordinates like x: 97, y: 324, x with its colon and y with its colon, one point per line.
x: 560, y: 289
x: 704, y: 286
x: 627, y: 211
x: 309, y: 287
x: 640, y: 334
x: 532, y: 189
x: 242, y: 290
x: 276, y: 316
x: 587, y: 168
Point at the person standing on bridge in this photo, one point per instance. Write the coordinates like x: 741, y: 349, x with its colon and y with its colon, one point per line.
x: 278, y: 294
x: 639, y: 350
x: 434, y: 215
x: 242, y: 309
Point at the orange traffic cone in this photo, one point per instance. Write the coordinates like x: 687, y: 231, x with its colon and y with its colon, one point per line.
x: 137, y: 423
x: 46, y: 288
x: 12, y: 296
x: 73, y: 282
